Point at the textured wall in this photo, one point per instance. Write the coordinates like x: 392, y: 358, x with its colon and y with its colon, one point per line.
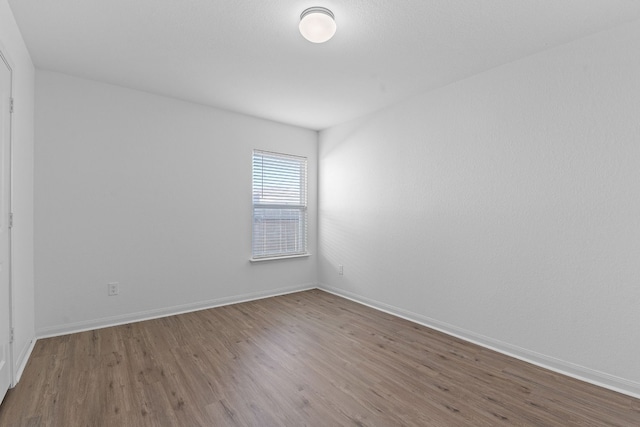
x: 503, y: 207
x: 153, y: 193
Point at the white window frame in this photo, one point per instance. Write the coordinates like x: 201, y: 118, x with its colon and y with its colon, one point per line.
x: 279, y: 206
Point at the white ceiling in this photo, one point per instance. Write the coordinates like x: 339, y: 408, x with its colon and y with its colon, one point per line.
x: 248, y: 56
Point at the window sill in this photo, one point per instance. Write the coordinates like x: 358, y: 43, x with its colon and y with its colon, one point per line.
x: 274, y: 258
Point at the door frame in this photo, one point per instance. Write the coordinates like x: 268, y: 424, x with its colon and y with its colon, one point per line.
x: 12, y: 373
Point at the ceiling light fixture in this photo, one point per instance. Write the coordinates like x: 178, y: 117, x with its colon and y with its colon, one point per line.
x: 317, y: 24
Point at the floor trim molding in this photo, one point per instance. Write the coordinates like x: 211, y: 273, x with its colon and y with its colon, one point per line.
x: 106, y: 322
x: 601, y: 379
x: 23, y: 359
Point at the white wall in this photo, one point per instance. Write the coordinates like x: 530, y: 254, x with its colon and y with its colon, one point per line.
x: 154, y: 193
x: 503, y: 208
x: 13, y: 47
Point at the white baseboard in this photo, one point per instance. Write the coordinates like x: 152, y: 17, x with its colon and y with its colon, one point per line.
x: 22, y: 360
x: 106, y: 322
x: 601, y: 379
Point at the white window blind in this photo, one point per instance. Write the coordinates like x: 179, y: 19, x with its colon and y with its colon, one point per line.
x: 279, y: 205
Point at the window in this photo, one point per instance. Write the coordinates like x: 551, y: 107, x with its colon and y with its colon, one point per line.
x: 279, y: 205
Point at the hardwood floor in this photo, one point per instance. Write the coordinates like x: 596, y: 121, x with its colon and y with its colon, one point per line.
x: 305, y: 359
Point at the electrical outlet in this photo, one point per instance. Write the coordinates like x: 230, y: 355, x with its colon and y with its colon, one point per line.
x: 113, y: 288
x: 341, y: 270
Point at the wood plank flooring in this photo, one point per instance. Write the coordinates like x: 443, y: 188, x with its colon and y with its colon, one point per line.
x: 305, y: 359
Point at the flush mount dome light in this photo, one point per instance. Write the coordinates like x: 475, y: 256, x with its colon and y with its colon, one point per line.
x: 317, y: 24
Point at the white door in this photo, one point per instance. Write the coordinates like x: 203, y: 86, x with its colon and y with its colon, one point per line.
x: 5, y: 186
